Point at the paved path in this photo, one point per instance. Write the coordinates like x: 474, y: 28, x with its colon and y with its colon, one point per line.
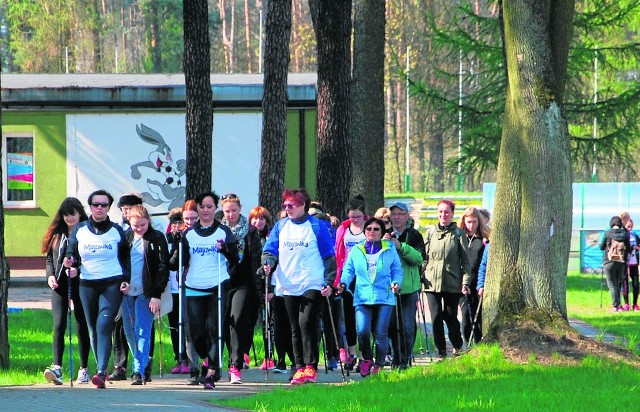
x: 28, y: 289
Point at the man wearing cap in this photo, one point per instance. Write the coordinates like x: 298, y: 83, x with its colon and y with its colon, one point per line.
x: 410, y: 246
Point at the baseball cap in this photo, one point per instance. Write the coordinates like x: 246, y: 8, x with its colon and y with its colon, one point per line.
x: 400, y: 205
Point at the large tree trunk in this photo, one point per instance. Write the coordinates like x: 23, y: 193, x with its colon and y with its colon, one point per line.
x: 532, y: 225
x: 247, y: 36
x: 274, y: 104
x: 199, y: 115
x: 332, y: 25
x: 4, y: 279
x: 153, y: 37
x: 368, y: 102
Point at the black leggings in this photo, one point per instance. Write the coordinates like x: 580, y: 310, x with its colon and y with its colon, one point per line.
x: 202, y: 315
x: 304, y: 312
x: 633, y: 274
x: 336, y: 312
x: 282, y: 329
x: 448, y: 315
x: 243, y: 304
x: 59, y: 310
x: 174, y: 327
x: 349, y: 318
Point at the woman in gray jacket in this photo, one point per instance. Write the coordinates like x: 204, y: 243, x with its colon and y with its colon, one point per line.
x: 616, y: 245
x: 448, y: 277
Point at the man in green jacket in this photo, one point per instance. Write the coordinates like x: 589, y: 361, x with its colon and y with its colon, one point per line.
x: 410, y: 246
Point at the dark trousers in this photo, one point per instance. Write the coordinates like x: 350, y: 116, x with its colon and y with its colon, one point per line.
x: 174, y: 327
x: 407, y: 318
x: 243, y: 303
x: 282, y: 330
x: 468, y: 308
x: 441, y: 315
x: 614, y: 272
x: 304, y: 312
x: 329, y: 338
x: 204, y: 333
x: 349, y: 319
x: 59, y: 310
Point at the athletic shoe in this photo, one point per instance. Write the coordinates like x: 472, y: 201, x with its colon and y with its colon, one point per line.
x: 267, y: 364
x: 388, y: 360
x: 53, y: 374
x: 332, y: 364
x: 281, y: 367
x: 350, y: 363
x: 365, y: 367
x: 625, y: 307
x: 456, y: 352
x: 235, y: 376
x: 177, y: 369
x: 99, y: 379
x: 247, y: 361
x: 614, y: 309
x: 118, y: 374
x: 636, y: 307
x: 136, y: 379
x: 376, y: 368
x: 343, y: 356
x: 298, y: 377
x: 310, y: 374
x: 185, y: 369
x: 83, y: 376
x: 195, y: 377
x: 209, y: 382
x: 147, y: 371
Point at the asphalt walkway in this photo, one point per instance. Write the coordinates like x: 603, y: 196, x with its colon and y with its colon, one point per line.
x: 28, y: 290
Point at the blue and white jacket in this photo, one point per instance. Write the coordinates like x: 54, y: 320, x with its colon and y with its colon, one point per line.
x: 388, y: 271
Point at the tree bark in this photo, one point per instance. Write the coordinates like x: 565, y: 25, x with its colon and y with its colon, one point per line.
x: 4, y: 279
x: 333, y: 35
x: 368, y: 102
x: 532, y: 224
x: 247, y: 36
x: 199, y: 116
x: 274, y: 104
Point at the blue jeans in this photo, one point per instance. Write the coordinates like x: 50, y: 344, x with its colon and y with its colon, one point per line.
x: 137, y: 322
x: 407, y: 317
x: 376, y: 318
x: 101, y: 300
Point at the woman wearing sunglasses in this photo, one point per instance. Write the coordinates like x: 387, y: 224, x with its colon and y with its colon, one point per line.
x: 99, y: 249
x: 377, y: 270
x: 244, y: 285
x: 303, y: 249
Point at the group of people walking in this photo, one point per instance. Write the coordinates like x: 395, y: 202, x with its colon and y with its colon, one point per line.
x: 301, y: 277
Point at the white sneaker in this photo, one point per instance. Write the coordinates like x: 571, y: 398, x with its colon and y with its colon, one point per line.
x: 83, y: 376
x: 53, y: 374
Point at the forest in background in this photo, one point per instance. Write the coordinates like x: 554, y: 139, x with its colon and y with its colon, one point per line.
x: 455, y: 61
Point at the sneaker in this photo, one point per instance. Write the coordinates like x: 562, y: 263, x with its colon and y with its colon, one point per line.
x: 118, y: 374
x: 281, y: 367
x: 53, y: 374
x: 625, y: 307
x: 184, y: 367
x: 388, y: 360
x: 343, y: 356
x: 376, y: 368
x: 147, y: 371
x: 136, y: 379
x: 310, y: 374
x: 209, y: 382
x: 614, y: 309
x: 350, y: 363
x: 195, y: 377
x: 235, y: 376
x: 298, y: 377
x: 456, y: 352
x: 99, y: 379
x: 83, y: 376
x: 177, y: 369
x: 636, y: 307
x: 365, y: 367
x: 267, y: 364
x: 247, y: 361
x: 333, y: 364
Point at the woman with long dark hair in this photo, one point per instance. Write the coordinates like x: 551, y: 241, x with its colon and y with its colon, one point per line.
x: 54, y: 245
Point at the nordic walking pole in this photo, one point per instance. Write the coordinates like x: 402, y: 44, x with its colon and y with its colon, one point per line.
x: 475, y: 321
x: 424, y: 323
x: 70, y: 322
x: 180, y: 314
x: 160, y: 331
x: 403, y: 342
x: 335, y: 337
x: 398, y: 332
x: 267, y: 272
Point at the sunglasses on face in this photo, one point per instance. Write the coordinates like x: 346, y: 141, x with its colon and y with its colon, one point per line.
x: 288, y: 206
x: 103, y: 205
x: 372, y: 229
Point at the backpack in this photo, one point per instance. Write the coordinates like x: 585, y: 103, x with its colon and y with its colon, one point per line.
x: 616, y: 251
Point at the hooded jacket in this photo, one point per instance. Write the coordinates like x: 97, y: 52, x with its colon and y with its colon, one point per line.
x: 448, y: 260
x: 619, y: 234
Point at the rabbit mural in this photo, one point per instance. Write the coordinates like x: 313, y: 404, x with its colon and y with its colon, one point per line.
x: 164, y: 179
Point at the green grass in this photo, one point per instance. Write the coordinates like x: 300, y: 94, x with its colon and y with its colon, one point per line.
x: 483, y: 380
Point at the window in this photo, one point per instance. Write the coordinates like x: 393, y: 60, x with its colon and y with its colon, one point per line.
x: 18, y: 176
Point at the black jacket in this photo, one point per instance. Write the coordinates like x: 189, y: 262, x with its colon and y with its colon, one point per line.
x: 155, y: 273
x: 619, y: 234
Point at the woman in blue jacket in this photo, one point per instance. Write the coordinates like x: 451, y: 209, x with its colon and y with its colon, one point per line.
x: 377, y: 270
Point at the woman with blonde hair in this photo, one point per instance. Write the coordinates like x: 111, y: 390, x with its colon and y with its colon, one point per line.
x: 474, y: 226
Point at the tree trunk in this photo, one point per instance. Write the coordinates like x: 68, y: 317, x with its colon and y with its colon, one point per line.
x: 532, y: 225
x: 153, y: 22
x: 4, y: 279
x: 368, y: 102
x: 333, y: 36
x: 199, y: 116
x: 274, y: 104
x: 247, y: 36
